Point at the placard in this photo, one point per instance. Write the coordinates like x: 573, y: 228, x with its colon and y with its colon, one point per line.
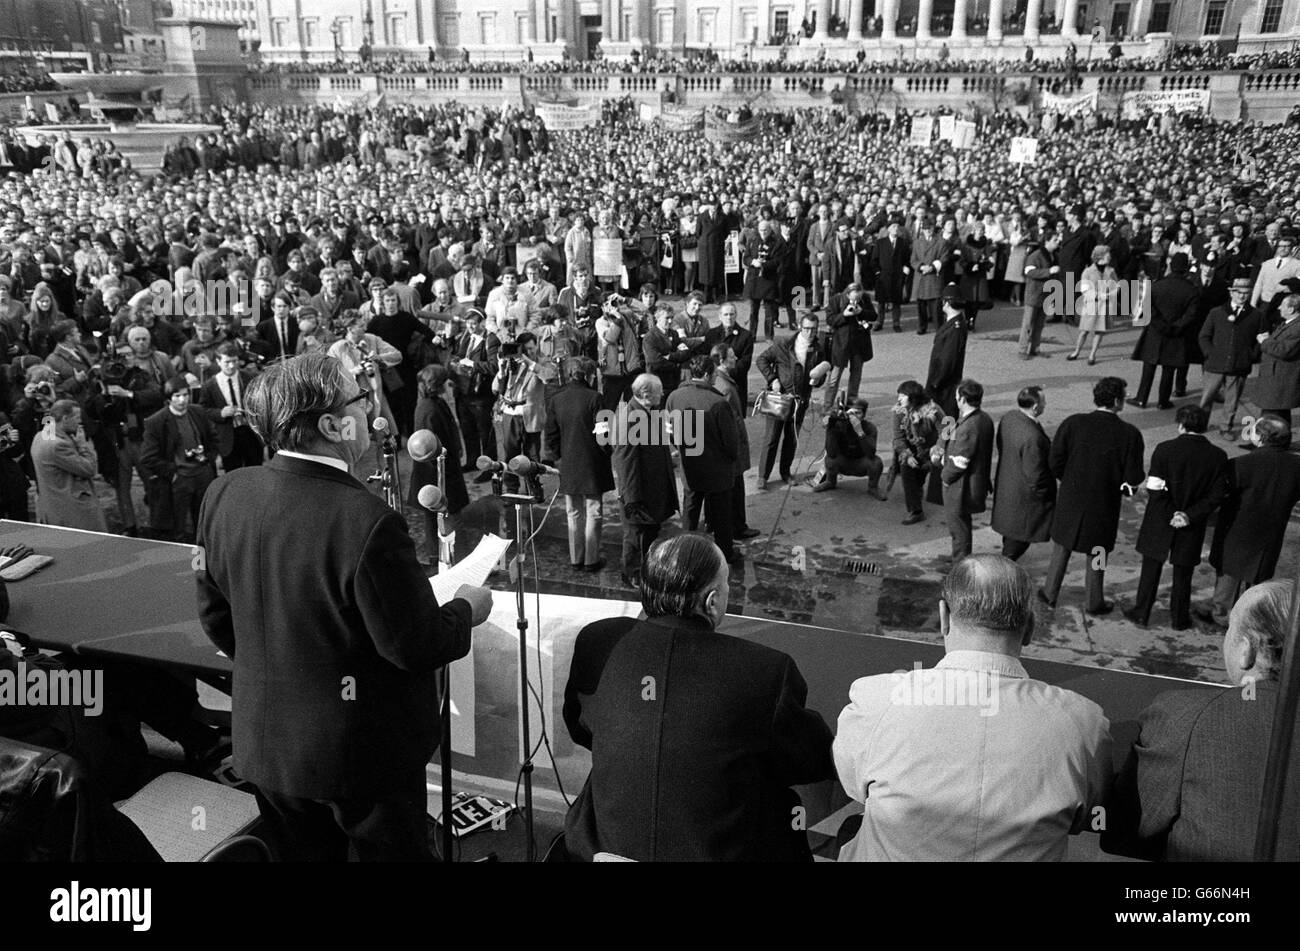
x: 922, y: 131
x: 964, y: 135
x: 947, y: 128
x: 1024, y: 150
x: 731, y: 253
x: 1140, y: 101
x: 606, y: 257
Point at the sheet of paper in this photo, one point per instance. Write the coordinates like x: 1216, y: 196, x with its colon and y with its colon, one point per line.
x: 471, y: 570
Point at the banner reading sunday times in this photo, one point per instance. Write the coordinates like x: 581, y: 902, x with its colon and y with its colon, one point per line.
x: 567, y: 118
x: 1139, y: 102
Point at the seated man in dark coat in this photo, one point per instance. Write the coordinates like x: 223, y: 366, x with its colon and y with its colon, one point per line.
x: 696, y: 736
x: 1191, y: 787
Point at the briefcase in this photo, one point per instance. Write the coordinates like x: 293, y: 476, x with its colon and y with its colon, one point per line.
x: 779, y: 406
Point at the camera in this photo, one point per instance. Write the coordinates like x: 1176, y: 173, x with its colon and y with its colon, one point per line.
x: 509, y: 350
x: 196, y: 454
x: 8, y: 436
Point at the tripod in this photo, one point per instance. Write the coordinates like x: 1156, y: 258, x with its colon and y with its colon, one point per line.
x: 530, y: 493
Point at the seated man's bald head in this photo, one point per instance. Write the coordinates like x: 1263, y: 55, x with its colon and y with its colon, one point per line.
x: 989, y: 596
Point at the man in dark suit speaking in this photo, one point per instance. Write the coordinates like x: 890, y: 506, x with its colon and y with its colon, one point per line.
x: 335, y: 713
x: 696, y: 736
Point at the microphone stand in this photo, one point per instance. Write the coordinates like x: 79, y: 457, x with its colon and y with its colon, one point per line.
x: 389, y: 479
x: 445, y: 548
x: 530, y: 494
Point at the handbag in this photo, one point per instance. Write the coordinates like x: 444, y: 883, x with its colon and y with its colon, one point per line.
x: 779, y: 406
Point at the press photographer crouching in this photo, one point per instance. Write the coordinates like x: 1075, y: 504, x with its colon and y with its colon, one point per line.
x: 850, y: 447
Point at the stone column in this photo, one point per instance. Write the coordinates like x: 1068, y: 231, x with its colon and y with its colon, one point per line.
x: 1032, y: 13
x: 561, y: 22
x: 1068, y: 18
x: 608, y: 25
x: 855, y: 21
x: 823, y: 21
x: 995, y: 19
x: 889, y: 18
x: 1137, y: 25
x: 924, y: 14
x: 640, y: 23
x: 959, y: 20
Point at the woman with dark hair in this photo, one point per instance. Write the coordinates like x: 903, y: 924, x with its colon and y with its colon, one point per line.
x: 916, y: 429
x: 437, y: 388
x: 711, y: 782
x: 42, y: 315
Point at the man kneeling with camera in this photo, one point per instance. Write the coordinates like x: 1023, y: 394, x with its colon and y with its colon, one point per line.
x: 850, y: 447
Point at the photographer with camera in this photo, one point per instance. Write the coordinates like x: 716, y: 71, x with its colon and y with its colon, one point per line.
x: 582, y: 300
x: 124, y: 396
x: 850, y: 447
x: 222, y: 398
x: 70, y: 361
x: 366, y: 356
x: 179, y: 456
x: 65, y: 463
x: 619, y: 347
x: 520, y: 410
x: 850, y: 316
x: 475, y: 367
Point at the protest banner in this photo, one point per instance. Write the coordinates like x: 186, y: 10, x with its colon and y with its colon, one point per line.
x: 720, y: 130
x: 681, y: 119
x: 560, y: 118
x: 947, y: 128
x: 1070, y: 105
x: 1138, y: 102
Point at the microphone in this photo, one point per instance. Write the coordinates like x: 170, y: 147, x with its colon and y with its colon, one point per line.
x: 431, y: 498
x: 525, y: 468
x: 423, y: 445
x: 380, y: 425
x: 488, y: 464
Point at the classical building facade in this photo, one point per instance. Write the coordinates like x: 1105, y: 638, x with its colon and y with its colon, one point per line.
x: 761, y: 29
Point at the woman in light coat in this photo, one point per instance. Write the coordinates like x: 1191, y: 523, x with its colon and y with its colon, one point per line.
x: 1097, y: 302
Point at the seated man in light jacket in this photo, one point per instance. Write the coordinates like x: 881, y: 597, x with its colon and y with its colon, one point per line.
x: 972, y: 760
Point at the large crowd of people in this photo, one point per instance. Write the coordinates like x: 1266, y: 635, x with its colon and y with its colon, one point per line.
x: 1193, y: 59
x: 517, y: 291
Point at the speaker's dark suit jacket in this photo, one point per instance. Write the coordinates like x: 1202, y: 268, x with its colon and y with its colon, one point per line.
x: 696, y: 738
x: 1190, y: 789
x: 311, y: 585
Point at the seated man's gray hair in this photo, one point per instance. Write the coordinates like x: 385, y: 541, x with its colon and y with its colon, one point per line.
x: 677, y: 573
x: 286, y: 401
x: 1261, y: 616
x: 989, y: 592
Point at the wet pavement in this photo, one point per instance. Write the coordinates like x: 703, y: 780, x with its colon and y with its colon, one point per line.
x: 843, y: 560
